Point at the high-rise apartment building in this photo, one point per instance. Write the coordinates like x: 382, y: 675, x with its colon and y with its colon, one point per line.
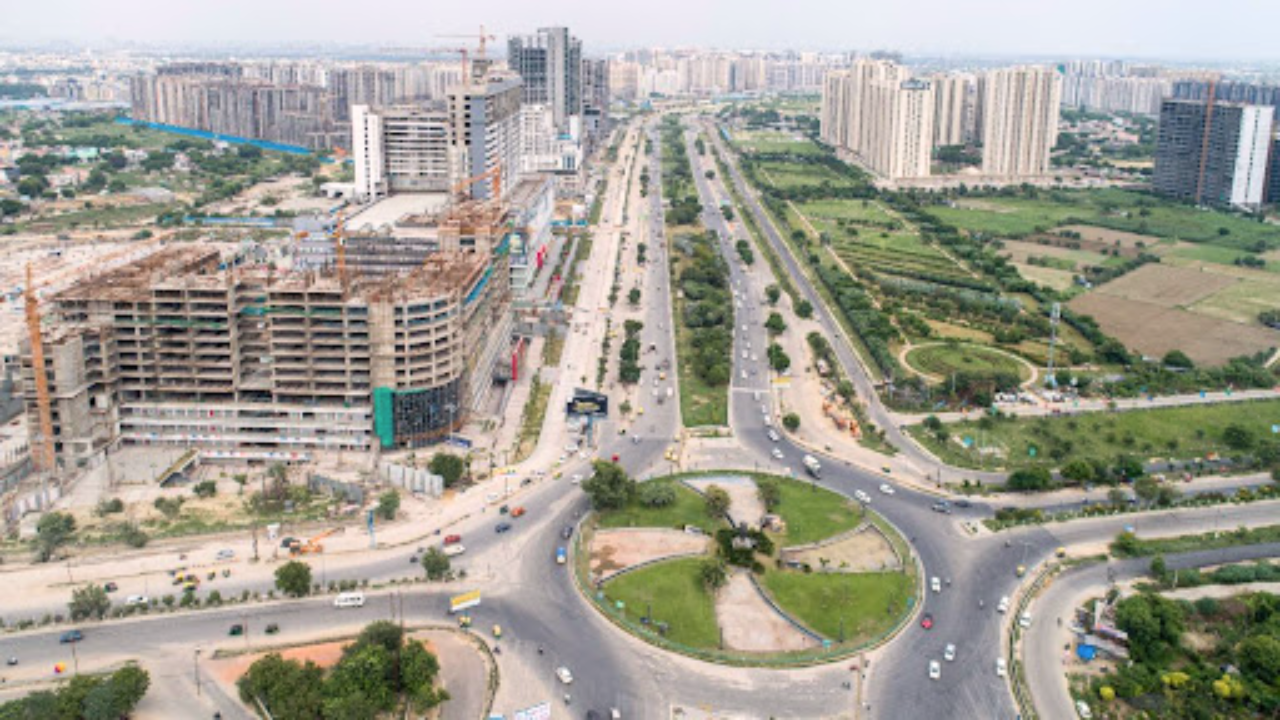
x: 1020, y: 108
x: 876, y: 116
x: 951, y: 108
x: 595, y: 96
x: 485, y: 118
x: 1214, y: 153
x: 550, y: 63
x: 403, y: 148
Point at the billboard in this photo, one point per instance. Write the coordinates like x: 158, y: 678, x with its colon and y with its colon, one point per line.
x: 586, y: 402
x: 464, y: 601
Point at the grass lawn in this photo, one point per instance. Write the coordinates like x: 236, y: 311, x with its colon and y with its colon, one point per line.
x: 688, y: 509
x: 945, y: 359
x: 1183, y: 433
x: 767, y: 141
x: 787, y: 175
x: 865, y: 604
x: 701, y: 404
x: 856, y: 210
x: 1241, y: 302
x: 673, y: 591
x: 814, y: 514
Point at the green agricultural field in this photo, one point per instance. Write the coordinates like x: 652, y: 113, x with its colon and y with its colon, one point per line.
x: 856, y: 210
x: 788, y: 175
x: 688, y: 509
x: 944, y: 359
x: 1183, y: 433
x: 814, y: 514
x: 768, y: 141
x: 863, y: 606
x: 97, y: 218
x: 1115, y: 209
x: 1214, y: 254
x: 674, y: 592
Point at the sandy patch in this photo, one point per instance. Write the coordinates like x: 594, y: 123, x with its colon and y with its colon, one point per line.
x: 615, y: 550
x: 750, y: 624
x: 865, y: 551
x: 744, y: 502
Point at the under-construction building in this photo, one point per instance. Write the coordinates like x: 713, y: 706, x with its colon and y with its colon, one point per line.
x: 187, y: 347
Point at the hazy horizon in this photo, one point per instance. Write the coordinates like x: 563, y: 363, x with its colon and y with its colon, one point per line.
x: 1174, y: 30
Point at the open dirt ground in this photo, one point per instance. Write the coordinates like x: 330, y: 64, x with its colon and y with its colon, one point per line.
x: 866, y: 551
x: 615, y: 550
x: 1167, y: 286
x: 750, y: 624
x: 744, y: 503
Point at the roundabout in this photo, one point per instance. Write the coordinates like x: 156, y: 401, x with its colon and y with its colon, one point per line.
x: 938, y: 361
x: 747, y: 569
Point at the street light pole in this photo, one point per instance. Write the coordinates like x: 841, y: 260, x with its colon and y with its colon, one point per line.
x: 195, y: 661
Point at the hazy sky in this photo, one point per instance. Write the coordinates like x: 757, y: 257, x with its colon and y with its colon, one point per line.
x: 1171, y: 29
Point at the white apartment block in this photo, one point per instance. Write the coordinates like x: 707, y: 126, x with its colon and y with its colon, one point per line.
x: 951, y: 108
x: 1020, y: 107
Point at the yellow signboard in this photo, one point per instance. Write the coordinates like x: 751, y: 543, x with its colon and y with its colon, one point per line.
x: 464, y: 601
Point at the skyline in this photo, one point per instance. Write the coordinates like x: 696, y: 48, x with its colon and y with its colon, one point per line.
x: 974, y: 28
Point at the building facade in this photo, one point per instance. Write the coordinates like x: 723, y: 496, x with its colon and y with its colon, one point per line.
x: 1020, y: 111
x: 485, y: 118
x: 550, y: 63
x: 1214, y: 153
x: 404, y: 148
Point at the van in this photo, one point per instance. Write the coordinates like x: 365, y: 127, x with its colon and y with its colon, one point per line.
x: 349, y: 600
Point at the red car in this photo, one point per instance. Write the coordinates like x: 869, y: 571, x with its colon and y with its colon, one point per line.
x: 452, y: 539
x: 927, y: 622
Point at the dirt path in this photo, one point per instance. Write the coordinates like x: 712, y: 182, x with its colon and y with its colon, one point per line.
x: 1028, y: 383
x: 615, y: 550
x: 744, y: 502
x: 750, y: 624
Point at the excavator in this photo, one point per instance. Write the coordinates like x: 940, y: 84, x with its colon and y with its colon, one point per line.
x: 310, y: 545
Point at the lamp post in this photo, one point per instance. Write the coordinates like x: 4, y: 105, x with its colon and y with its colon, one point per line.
x: 195, y: 661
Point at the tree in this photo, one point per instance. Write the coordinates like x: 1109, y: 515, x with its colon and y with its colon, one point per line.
x: 118, y: 695
x: 609, y: 487
x: 384, y: 633
x: 205, y: 489
x: 52, y: 532
x: 388, y: 504
x: 89, y: 601
x: 418, y: 672
x: 714, y: 574
x: 32, y: 186
x: 1146, y: 488
x: 1030, y: 479
x: 772, y: 293
x: 779, y: 361
x: 769, y: 492
x: 169, y: 507
x: 362, y: 682
x: 791, y: 422
x: 804, y: 309
x: 775, y: 324
x: 435, y: 563
x: 1237, y: 437
x: 655, y: 494
x: 1178, y: 359
x: 286, y: 688
x: 448, y: 466
x: 717, y: 501
x: 1159, y: 568
x: 633, y: 297
x: 9, y: 206
x: 117, y: 186
x: 1078, y: 471
x: 1154, y: 625
x: 1260, y: 657
x: 294, y: 578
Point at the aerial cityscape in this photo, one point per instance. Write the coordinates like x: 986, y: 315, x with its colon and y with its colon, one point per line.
x: 728, y: 361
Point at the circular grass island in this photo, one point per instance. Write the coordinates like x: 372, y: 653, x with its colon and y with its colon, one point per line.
x: 792, y: 573
x: 939, y: 361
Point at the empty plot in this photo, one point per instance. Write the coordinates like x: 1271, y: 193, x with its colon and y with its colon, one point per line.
x: 750, y: 624
x: 616, y: 550
x: 1166, y: 286
x: 1154, y: 329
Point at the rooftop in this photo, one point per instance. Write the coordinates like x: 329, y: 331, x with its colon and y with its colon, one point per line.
x: 387, y: 212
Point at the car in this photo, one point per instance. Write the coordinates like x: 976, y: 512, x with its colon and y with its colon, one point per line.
x: 236, y: 630
x: 1025, y: 620
x: 773, y: 435
x: 566, y: 532
x: 935, y: 670
x: 455, y: 550
x: 1003, y: 607
x: 942, y: 506
x: 517, y: 512
x: 12, y: 661
x: 110, y: 587
x: 926, y: 622
x: 935, y: 584
x: 561, y: 556
x: 576, y: 479
x: 565, y: 676
x: 136, y: 600
x: 862, y: 497
x: 1002, y: 669
x: 962, y: 503
x: 71, y: 636
x: 886, y: 489
x: 1082, y: 709
x: 227, y: 554
x: 502, y: 527
x: 764, y: 410
x: 949, y: 653
x: 452, y: 539
x: 776, y: 453
x: 273, y: 628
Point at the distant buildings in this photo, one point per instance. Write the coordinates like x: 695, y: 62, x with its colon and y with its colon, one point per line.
x: 1214, y: 153
x: 1020, y: 108
x: 876, y: 115
x: 639, y: 74
x: 550, y: 63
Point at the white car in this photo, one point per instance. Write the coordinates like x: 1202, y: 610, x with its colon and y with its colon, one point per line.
x: 565, y: 676
x: 137, y: 600
x: 1001, y: 668
x: 935, y: 584
x: 1003, y: 607
x: 577, y: 479
x: 777, y: 454
x: 935, y: 670
x: 950, y: 652
x: 773, y: 435
x: 226, y: 554
x: 862, y: 497
x: 886, y: 489
x: 1082, y: 709
x: 1025, y: 620
x: 454, y: 550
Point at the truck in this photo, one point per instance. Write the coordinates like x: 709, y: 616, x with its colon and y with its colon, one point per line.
x: 812, y: 465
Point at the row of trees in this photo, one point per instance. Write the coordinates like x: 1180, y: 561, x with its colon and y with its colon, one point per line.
x: 707, y: 311
x: 85, y: 697
x: 629, y: 365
